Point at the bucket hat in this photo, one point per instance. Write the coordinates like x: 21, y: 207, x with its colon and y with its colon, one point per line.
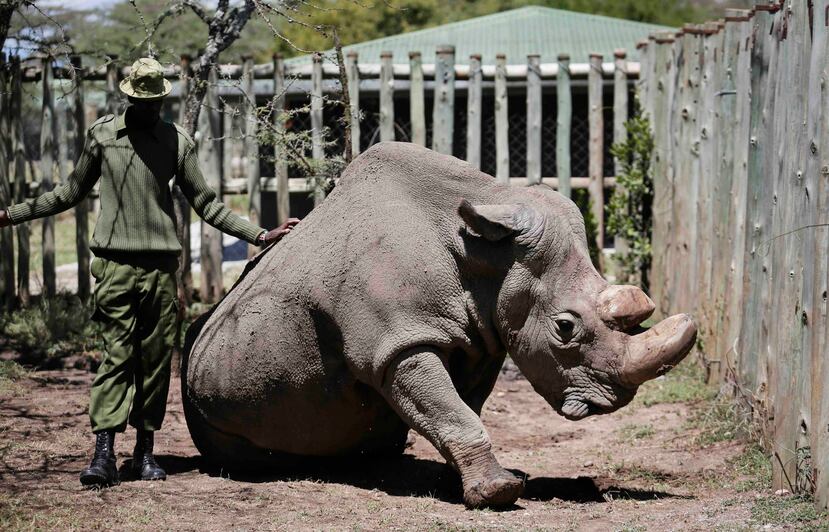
x: 146, y: 80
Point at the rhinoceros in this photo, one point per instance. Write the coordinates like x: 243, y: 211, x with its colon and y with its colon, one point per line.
x: 393, y: 306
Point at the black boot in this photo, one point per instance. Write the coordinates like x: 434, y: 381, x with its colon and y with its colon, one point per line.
x: 144, y: 465
x: 102, y: 471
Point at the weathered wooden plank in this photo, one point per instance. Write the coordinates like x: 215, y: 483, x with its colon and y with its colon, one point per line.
x: 113, y: 101
x: 211, y: 286
x: 595, y: 95
x: 755, y: 308
x: 251, y: 147
x: 786, y: 250
x: 564, y: 124
x: 501, y: 120
x: 181, y: 207
x: 726, y: 103
x: 20, y: 184
x: 620, y: 117
x: 533, y: 118
x: 49, y: 174
x: 663, y: 92
x: 283, y: 195
x: 82, y: 209
x: 739, y: 195
x: 386, y: 97
x: 417, y: 107
x: 443, y: 117
x: 352, y: 70
x: 473, y: 111
x: 317, y: 119
x: 814, y: 432
x: 7, y: 285
x: 818, y: 371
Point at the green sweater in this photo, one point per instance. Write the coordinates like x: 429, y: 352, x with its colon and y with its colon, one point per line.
x: 136, y: 167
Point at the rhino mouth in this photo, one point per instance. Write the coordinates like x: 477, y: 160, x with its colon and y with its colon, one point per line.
x: 576, y: 408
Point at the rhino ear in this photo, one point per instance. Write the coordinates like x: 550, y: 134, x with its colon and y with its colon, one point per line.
x: 496, y: 222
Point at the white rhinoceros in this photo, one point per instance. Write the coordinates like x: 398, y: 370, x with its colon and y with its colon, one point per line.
x: 393, y: 305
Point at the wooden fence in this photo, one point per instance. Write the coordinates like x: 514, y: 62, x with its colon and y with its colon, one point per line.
x: 740, y: 112
x: 313, y: 83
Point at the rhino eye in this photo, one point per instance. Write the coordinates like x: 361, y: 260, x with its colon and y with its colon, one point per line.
x: 566, y: 327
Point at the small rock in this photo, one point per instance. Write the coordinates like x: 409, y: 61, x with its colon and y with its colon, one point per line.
x: 781, y: 493
x: 500, y: 394
x: 587, y: 464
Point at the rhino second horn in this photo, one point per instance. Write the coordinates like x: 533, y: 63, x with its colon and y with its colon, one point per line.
x: 658, y: 350
x: 623, y: 306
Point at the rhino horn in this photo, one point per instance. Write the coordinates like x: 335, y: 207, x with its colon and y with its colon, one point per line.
x: 623, y: 306
x: 658, y: 349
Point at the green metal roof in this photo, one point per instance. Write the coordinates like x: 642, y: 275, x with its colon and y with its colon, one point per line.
x: 516, y: 33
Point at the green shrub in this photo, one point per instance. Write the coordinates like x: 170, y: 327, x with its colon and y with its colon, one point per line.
x: 50, y: 330
x: 629, y: 212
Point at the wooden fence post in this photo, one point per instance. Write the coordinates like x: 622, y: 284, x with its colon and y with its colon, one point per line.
x: 501, y: 120
x: 48, y: 169
x: 417, y: 107
x: 533, y: 119
x: 443, y: 118
x: 251, y: 146
x: 596, y: 147
x: 209, y: 127
x: 7, y: 285
x: 317, y: 151
x: 20, y: 183
x: 473, y: 112
x: 564, y: 125
x: 386, y: 97
x: 620, y: 117
x: 82, y: 209
x: 352, y: 71
x: 181, y: 206
x: 283, y: 194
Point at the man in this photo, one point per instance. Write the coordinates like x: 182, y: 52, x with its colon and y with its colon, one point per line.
x: 136, y: 155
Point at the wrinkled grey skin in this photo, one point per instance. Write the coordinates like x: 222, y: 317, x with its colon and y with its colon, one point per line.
x: 393, y: 305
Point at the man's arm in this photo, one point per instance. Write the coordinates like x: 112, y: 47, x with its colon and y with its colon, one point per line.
x: 216, y: 213
x: 63, y: 197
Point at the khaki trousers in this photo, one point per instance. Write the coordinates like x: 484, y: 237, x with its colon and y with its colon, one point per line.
x: 136, y: 305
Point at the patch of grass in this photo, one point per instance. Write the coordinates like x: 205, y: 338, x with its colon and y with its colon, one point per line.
x: 792, y: 510
x: 685, y: 383
x: 755, y: 466
x: 10, y: 373
x: 722, y: 420
x: 633, y: 432
x: 51, y: 329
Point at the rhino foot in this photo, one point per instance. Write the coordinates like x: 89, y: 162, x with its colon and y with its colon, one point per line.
x: 500, y: 489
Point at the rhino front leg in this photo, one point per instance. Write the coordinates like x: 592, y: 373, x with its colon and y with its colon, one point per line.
x: 419, y: 388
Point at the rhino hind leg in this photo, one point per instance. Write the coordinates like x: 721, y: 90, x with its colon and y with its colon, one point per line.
x: 420, y: 389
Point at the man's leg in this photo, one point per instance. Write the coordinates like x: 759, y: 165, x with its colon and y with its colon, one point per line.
x: 112, y: 389
x: 156, y: 334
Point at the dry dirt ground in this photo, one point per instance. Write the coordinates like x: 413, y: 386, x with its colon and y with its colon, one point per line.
x: 643, y: 468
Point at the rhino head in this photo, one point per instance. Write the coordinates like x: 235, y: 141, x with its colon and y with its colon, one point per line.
x: 575, y: 337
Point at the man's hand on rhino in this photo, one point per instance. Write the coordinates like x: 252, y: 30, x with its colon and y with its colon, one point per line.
x: 5, y: 221
x: 275, y: 235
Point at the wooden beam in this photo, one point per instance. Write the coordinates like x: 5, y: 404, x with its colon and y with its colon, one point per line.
x: 211, y: 287
x: 352, y: 71
x: 533, y: 119
x: 20, y: 185
x: 443, y: 118
x: 386, y: 97
x: 473, y: 112
x: 49, y: 174
x: 82, y: 209
x: 564, y: 124
x: 317, y: 150
x: 596, y: 145
x: 7, y: 285
x: 251, y: 151
x: 501, y: 120
x: 417, y: 107
x: 283, y: 197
